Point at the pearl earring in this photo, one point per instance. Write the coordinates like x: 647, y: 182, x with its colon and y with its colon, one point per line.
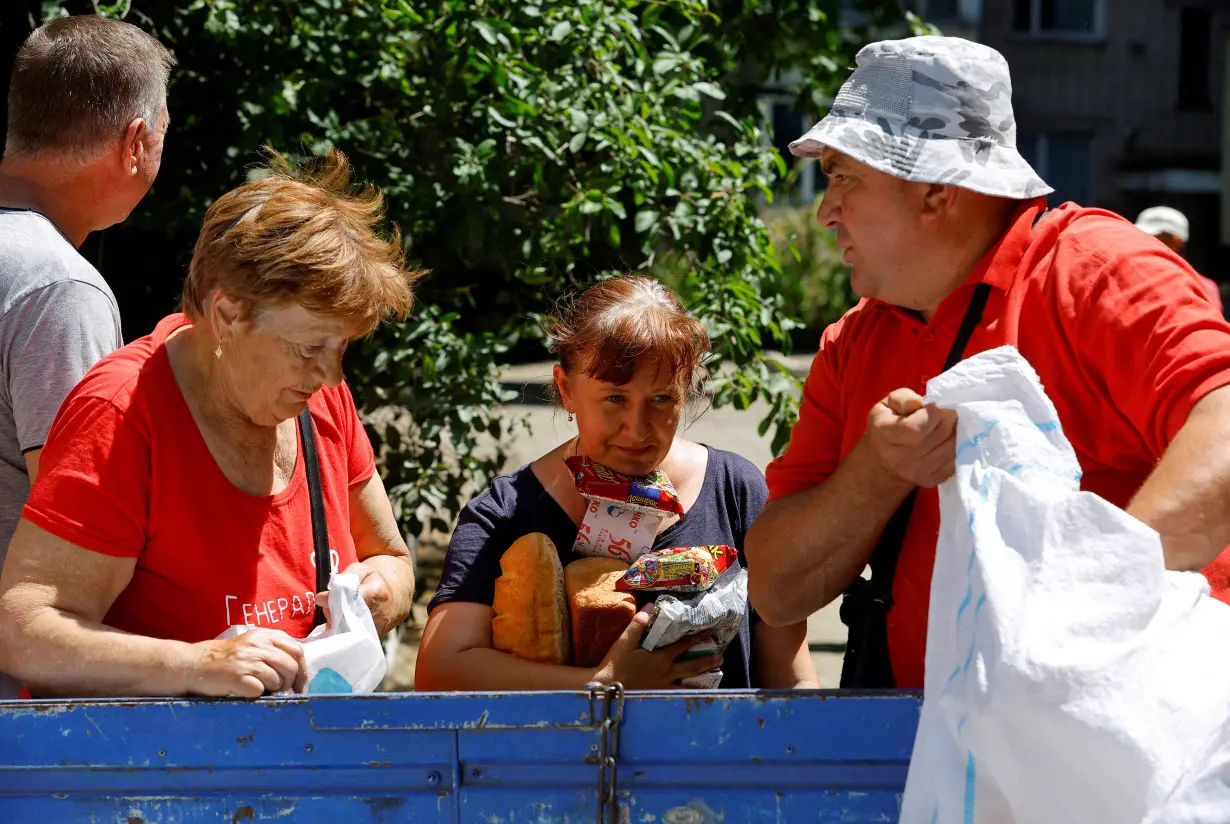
x: 569, y: 417
x: 218, y: 352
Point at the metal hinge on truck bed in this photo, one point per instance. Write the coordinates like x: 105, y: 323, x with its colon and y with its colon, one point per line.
x: 606, y: 707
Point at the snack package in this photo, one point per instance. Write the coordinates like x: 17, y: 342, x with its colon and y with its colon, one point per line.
x: 705, y: 681
x: 719, y: 610
x: 624, y: 513
x: 681, y: 569
x: 700, y: 649
x: 609, y: 530
x: 653, y: 494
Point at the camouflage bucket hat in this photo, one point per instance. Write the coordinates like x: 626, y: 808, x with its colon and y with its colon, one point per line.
x: 933, y: 110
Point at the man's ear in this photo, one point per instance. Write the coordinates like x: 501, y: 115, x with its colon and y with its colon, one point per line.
x: 938, y: 198
x: 132, y: 148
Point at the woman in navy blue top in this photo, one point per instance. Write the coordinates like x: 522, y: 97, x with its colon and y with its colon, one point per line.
x: 629, y: 360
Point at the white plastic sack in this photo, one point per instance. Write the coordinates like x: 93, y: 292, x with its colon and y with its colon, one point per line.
x: 1070, y: 678
x: 344, y: 655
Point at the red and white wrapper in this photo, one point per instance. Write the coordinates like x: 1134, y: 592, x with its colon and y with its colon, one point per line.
x: 611, y: 530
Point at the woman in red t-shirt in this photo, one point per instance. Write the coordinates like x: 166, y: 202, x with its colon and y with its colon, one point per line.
x: 171, y: 500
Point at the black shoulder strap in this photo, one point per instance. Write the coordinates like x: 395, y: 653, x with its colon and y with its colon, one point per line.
x: 320, y: 529
x: 888, y: 549
x: 973, y: 316
x: 884, y: 560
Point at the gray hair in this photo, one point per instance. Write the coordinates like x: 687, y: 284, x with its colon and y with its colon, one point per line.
x: 78, y: 82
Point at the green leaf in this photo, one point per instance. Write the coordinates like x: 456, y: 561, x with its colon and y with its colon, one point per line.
x: 501, y: 119
x: 578, y: 141
x: 487, y: 31
x: 561, y: 30
x: 645, y: 219
x: 664, y: 64
x: 710, y: 89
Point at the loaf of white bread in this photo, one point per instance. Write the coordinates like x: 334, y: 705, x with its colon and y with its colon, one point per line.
x: 551, y: 615
x: 599, y: 613
x: 531, y: 610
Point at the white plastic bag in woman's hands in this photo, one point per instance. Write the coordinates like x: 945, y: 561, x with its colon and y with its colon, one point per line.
x: 1070, y: 677
x: 345, y: 655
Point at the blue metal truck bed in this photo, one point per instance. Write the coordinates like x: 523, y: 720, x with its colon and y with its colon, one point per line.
x: 503, y: 758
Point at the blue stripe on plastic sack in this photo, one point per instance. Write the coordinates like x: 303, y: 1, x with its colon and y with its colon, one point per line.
x: 1068, y: 673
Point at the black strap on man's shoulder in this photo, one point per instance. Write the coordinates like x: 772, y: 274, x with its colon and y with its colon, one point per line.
x: 866, y: 603
x: 320, y: 529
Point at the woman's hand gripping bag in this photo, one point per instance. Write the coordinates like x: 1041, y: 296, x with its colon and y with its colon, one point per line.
x: 1069, y: 677
x: 345, y: 655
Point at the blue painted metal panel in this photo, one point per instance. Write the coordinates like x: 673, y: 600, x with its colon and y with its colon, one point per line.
x: 528, y: 757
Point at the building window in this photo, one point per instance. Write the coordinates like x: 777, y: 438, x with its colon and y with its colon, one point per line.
x: 1195, y: 56
x: 787, y: 123
x: 1064, y: 160
x: 1058, y: 17
x: 935, y: 11
x: 941, y: 12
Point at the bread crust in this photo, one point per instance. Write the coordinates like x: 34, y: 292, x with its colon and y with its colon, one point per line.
x: 531, y: 610
x: 598, y: 613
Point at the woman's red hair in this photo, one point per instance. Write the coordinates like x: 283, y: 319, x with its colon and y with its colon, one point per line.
x: 617, y: 325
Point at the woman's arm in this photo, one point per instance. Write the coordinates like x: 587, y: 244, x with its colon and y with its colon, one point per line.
x: 783, y: 660
x: 53, y: 597
x: 385, y: 568
x: 456, y: 655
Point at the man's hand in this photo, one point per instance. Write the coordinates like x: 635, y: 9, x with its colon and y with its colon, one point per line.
x: 912, y: 440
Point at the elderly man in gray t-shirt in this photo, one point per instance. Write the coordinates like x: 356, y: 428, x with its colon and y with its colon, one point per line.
x: 87, y: 117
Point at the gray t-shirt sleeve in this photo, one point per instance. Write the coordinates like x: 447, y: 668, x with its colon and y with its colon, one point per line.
x: 53, y: 336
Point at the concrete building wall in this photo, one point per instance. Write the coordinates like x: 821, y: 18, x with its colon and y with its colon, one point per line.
x: 1121, y: 88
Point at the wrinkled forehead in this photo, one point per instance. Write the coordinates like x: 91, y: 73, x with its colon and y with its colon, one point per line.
x: 959, y: 90
x: 834, y: 161
x: 294, y: 320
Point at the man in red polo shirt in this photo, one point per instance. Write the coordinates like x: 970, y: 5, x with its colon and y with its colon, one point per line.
x: 953, y: 252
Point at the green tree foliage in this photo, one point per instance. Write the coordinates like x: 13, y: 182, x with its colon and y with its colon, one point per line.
x: 525, y: 146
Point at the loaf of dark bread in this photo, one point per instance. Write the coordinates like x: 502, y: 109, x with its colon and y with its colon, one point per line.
x: 599, y: 613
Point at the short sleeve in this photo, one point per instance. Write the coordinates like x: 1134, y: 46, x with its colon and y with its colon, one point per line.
x: 93, y: 483
x: 1180, y: 343
x: 472, y: 563
x: 750, y: 495
x: 814, y: 450
x: 51, y: 339
x: 360, y: 458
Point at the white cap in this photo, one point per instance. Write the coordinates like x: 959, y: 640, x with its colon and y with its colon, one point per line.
x: 1163, y: 220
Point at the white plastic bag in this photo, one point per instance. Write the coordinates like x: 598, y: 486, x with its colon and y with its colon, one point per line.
x: 1070, y: 677
x: 344, y: 655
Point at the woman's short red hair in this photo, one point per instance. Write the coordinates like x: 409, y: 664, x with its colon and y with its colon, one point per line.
x: 617, y: 325
x: 302, y: 234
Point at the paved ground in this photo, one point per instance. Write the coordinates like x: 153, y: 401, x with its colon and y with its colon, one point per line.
x: 726, y: 428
